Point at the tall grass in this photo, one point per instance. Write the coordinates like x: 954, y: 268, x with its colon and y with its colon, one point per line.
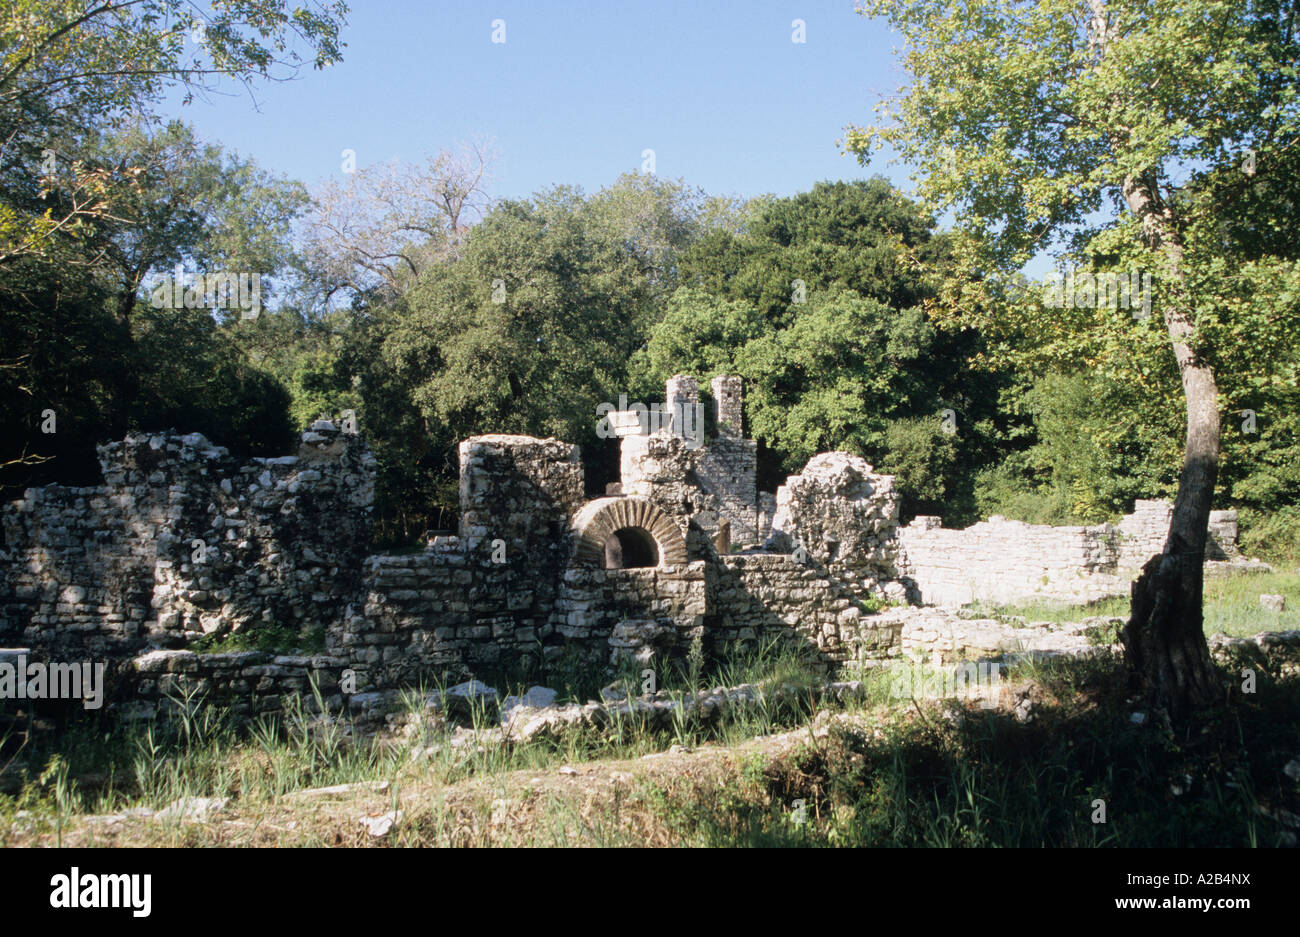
x: 894, y: 771
x: 989, y: 779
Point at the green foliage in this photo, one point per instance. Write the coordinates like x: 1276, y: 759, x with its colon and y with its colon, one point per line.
x: 923, y: 457
x: 1272, y: 536
x: 82, y: 338
x: 187, y: 203
x: 527, y: 331
x: 1010, y: 489
x: 570, y: 306
x: 67, y: 67
x: 194, y: 378
x: 269, y: 638
x: 1097, y: 448
x: 1036, y: 128
x: 815, y: 301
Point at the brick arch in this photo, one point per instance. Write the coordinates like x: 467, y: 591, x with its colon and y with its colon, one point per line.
x: 600, y: 519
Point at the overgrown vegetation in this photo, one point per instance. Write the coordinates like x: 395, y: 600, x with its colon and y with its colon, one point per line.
x: 881, y: 771
x: 986, y: 779
x: 271, y: 638
x: 522, y: 316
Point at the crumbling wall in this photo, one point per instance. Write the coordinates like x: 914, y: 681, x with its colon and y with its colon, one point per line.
x: 711, y: 481
x: 247, y: 684
x: 661, y: 468
x: 181, y: 541
x: 832, y: 560
x: 1005, y: 562
x: 517, y: 497
x: 611, y: 613
x: 842, y: 514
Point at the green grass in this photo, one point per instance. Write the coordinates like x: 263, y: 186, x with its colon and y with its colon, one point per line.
x: 96, y: 767
x: 1056, y: 612
x: 895, y: 773
x: 1231, y: 605
x: 990, y: 780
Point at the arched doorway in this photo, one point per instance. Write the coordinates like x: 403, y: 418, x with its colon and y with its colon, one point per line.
x: 627, y: 533
x: 631, y: 548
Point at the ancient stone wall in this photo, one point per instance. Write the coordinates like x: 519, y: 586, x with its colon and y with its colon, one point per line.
x: 182, y: 541
x: 1142, y: 534
x: 663, y: 469
x: 247, y: 684
x: 832, y: 561
x: 841, y: 513
x: 762, y: 600
x: 1005, y: 562
x: 711, y: 480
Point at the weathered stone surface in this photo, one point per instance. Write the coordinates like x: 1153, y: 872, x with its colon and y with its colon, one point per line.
x: 535, y: 697
x: 640, y: 641
x: 191, y: 809
x: 1007, y: 562
x: 469, y: 697
x: 840, y: 512
x: 182, y: 541
x: 381, y: 825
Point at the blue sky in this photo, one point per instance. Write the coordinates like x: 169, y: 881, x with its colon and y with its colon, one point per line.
x: 578, y: 90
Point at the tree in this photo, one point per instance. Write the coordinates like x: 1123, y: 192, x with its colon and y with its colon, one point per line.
x: 376, y: 233
x: 189, y: 204
x: 1027, y: 120
x: 531, y: 328
x: 97, y: 353
x: 816, y: 300
x: 68, y: 65
x: 91, y: 203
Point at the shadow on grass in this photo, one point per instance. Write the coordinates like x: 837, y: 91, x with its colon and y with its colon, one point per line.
x: 1060, y: 762
x: 1078, y: 772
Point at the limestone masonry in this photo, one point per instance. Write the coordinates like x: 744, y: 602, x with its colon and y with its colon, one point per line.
x: 181, y: 541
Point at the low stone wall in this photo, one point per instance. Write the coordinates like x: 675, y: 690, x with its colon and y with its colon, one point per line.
x: 1004, y: 561
x: 758, y: 600
x: 246, y: 684
x: 833, y: 535
x: 1142, y: 534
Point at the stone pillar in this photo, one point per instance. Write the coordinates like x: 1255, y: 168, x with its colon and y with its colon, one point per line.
x: 520, y: 489
x: 728, y: 399
x: 681, y: 388
x: 681, y: 395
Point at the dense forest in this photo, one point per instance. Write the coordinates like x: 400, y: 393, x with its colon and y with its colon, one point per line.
x: 409, y: 298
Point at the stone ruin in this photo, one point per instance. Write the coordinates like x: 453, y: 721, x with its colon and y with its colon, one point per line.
x: 181, y: 541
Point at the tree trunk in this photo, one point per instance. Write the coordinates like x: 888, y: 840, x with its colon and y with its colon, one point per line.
x: 122, y: 380
x: 1164, y: 640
